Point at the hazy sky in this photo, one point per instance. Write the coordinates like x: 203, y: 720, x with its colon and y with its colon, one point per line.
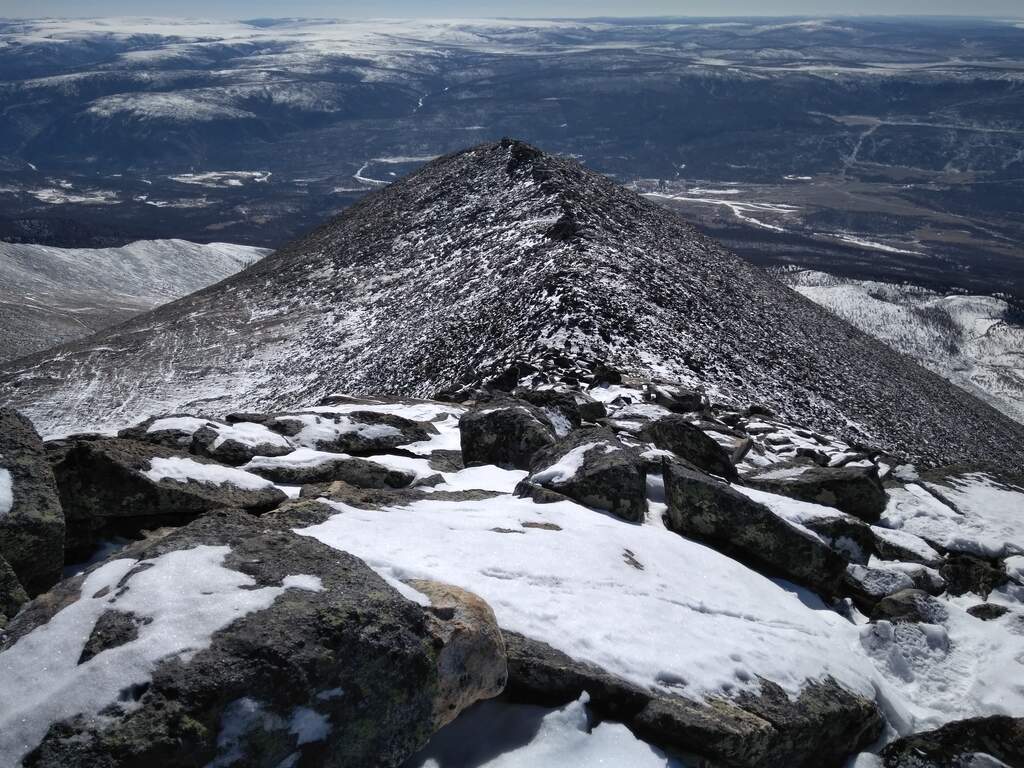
x: 242, y: 9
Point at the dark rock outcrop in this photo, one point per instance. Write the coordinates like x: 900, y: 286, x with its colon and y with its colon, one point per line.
x: 968, y: 573
x: 594, y: 468
x: 31, y: 520
x: 854, y: 490
x: 676, y: 434
x: 914, y: 605
x: 988, y: 611
x: 708, y: 510
x: 338, y: 669
x: 954, y: 744
x: 104, y: 486
x: 350, y: 469
x: 821, y: 727
x: 12, y: 594
x: 507, y: 433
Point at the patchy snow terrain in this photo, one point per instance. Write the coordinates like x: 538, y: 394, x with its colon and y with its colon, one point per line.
x: 51, y: 295
x: 537, y: 268
x: 669, y: 615
x: 970, y: 340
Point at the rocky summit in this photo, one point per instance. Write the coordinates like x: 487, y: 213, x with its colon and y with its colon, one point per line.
x: 504, y: 467
x: 501, y: 264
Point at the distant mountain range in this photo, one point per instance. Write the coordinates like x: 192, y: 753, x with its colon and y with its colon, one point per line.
x: 50, y: 295
x: 884, y: 148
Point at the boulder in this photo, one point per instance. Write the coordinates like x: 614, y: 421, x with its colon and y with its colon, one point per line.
x: 234, y: 443
x: 304, y: 466
x: 12, y: 594
x: 123, y: 486
x: 506, y: 432
x: 674, y: 433
x: 562, y: 409
x: 895, y: 544
x: 967, y: 573
x: 594, y: 468
x: 31, y: 519
x: 846, y: 534
x: 228, y: 642
x: 822, y: 727
x: 955, y: 744
x: 359, y: 433
x: 472, y: 661
x: 913, y: 605
x: 703, y: 508
x: 675, y: 397
x: 868, y: 585
x: 988, y: 611
x: 854, y: 490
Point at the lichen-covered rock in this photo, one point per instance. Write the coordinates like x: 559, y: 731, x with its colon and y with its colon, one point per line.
x: 708, y: 510
x: 31, y: 519
x: 593, y: 467
x: 968, y: 573
x: 507, y: 432
x: 472, y: 663
x: 957, y: 744
x: 855, y: 490
x: 227, y: 642
x: 914, y: 605
x: 767, y: 729
x: 675, y: 433
x: 12, y: 594
x: 124, y: 486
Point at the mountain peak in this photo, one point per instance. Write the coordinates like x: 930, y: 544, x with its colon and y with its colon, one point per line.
x: 504, y: 264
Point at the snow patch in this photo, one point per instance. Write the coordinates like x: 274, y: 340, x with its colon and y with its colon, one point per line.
x: 710, y: 624
x: 188, y: 595
x: 184, y: 470
x: 6, y: 492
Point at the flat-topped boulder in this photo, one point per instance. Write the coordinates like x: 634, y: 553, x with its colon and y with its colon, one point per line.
x: 352, y: 431
x: 230, y: 443
x: 855, y: 490
x: 231, y: 642
x: 305, y: 465
x: 709, y: 510
x: 821, y: 727
x: 124, y: 486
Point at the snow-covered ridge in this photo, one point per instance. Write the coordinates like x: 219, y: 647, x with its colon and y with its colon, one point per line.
x: 501, y: 260
x: 52, y: 295
x: 969, y: 340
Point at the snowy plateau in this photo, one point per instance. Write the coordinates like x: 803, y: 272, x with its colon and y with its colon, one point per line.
x: 503, y: 466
